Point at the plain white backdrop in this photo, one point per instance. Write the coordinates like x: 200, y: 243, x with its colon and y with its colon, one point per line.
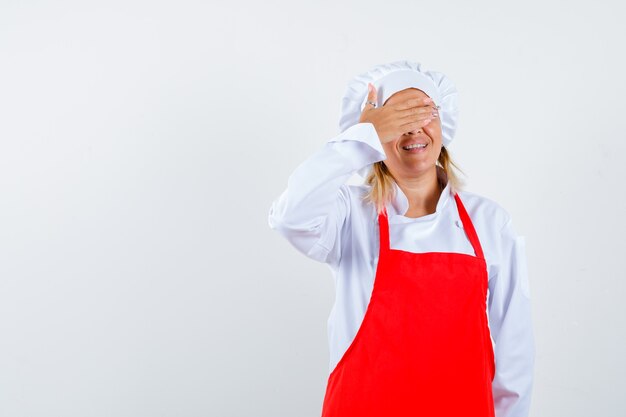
x: 142, y: 143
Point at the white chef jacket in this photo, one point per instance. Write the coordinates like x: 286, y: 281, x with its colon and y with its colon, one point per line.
x: 326, y: 219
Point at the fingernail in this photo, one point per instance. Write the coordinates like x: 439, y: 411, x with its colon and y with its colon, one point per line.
x: 428, y: 100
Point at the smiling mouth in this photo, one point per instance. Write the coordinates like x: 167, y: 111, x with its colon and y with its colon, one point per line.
x: 415, y: 147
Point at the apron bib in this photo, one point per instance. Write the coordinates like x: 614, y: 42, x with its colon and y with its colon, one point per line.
x: 423, y: 348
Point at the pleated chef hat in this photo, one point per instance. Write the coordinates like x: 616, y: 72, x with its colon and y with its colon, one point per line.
x: 396, y: 76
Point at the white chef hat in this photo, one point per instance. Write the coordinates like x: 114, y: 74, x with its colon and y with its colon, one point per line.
x: 396, y: 76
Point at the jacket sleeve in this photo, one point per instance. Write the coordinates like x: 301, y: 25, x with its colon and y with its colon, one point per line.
x: 511, y: 327
x: 311, y: 211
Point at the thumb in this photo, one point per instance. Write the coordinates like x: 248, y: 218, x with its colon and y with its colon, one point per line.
x: 372, y: 94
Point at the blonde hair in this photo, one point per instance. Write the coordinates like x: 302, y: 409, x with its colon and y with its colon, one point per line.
x: 381, y: 181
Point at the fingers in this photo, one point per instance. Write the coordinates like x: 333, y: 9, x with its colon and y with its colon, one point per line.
x: 419, y: 112
x: 413, y: 125
x: 414, y: 102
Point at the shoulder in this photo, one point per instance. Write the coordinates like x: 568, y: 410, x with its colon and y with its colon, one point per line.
x: 358, y: 190
x: 352, y: 192
x: 484, y: 209
x: 355, y: 194
x: 360, y: 211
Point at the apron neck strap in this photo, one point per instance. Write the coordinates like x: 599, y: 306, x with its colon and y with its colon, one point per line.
x: 468, y: 226
x: 383, y: 223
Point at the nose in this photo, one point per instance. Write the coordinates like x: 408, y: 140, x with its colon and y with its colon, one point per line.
x: 414, y: 132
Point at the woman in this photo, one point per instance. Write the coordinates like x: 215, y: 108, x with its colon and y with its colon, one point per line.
x: 432, y: 310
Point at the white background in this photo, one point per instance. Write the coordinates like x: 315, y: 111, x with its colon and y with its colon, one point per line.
x: 142, y: 143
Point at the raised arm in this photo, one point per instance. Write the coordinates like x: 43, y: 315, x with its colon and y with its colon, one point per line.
x: 312, y: 210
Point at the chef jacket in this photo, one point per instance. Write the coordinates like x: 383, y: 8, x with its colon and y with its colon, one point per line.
x: 328, y: 221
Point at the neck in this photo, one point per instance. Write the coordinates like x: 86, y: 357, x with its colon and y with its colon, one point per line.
x: 422, y: 192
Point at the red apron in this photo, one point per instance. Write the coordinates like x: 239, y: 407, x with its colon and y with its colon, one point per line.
x: 423, y: 348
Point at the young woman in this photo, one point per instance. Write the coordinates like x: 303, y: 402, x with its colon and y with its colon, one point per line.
x: 432, y: 311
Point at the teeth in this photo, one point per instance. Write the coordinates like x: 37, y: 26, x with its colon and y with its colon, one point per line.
x: 415, y: 145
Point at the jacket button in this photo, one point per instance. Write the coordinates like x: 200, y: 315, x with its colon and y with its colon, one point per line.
x: 459, y: 223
